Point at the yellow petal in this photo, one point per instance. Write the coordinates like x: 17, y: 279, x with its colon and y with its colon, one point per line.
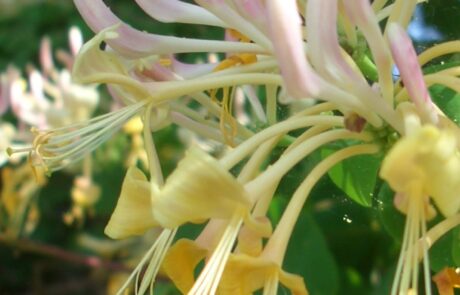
x: 197, y: 190
x: 245, y: 274
x: 180, y: 262
x: 428, y: 160
x: 94, y: 65
x: 250, y: 239
x: 133, y: 213
x: 294, y: 283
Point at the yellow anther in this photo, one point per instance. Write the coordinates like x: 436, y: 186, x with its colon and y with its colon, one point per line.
x: 237, y: 35
x: 236, y: 60
x: 228, y: 125
x: 226, y: 118
x: 166, y: 62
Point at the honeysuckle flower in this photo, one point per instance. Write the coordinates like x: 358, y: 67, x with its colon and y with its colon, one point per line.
x: 422, y: 166
x: 52, y: 99
x: 266, y: 45
x: 333, y: 66
x: 431, y: 164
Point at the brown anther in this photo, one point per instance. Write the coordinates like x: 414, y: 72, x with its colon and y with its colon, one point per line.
x: 354, y: 122
x: 446, y: 281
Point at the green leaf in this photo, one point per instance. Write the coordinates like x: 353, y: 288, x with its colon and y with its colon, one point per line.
x: 441, y: 253
x: 309, y: 256
x: 392, y: 220
x: 447, y: 100
x: 456, y: 245
x: 356, y: 176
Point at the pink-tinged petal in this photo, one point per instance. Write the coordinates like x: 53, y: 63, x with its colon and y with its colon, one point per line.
x: 75, y: 40
x: 410, y: 71
x: 175, y: 11
x: 329, y: 60
x: 4, y: 93
x: 323, y: 42
x: 46, y: 56
x: 362, y: 14
x: 255, y: 11
x: 286, y: 35
x: 65, y: 58
x: 25, y: 106
x: 235, y: 21
x: 37, y: 89
x: 134, y: 43
x: 157, y: 72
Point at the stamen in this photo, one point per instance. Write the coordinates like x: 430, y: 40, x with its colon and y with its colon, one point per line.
x: 157, y: 258
x: 407, y: 271
x: 209, y: 278
x: 271, y: 284
x: 155, y: 254
x: 54, y: 149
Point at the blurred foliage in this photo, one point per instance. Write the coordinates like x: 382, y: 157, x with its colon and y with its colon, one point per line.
x: 339, y: 246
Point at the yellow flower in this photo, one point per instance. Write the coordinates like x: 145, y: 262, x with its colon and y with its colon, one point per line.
x: 199, y: 189
x: 423, y: 164
x: 428, y: 162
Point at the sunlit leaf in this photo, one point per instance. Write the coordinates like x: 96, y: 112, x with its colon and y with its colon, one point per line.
x: 356, y: 176
x: 447, y: 100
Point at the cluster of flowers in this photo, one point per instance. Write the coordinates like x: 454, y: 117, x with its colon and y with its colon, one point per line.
x: 334, y: 52
x: 48, y: 99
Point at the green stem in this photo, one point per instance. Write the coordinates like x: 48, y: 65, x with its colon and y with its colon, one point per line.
x: 276, y: 246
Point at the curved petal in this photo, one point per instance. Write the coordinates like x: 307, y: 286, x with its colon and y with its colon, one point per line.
x: 286, y: 36
x: 411, y: 74
x: 245, y: 274
x: 134, y: 43
x: 235, y: 21
x: 180, y: 262
x: 175, y: 11
x: 255, y: 11
x: 75, y: 40
x: 197, y: 190
x: 362, y: 14
x: 133, y: 214
x: 94, y: 65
